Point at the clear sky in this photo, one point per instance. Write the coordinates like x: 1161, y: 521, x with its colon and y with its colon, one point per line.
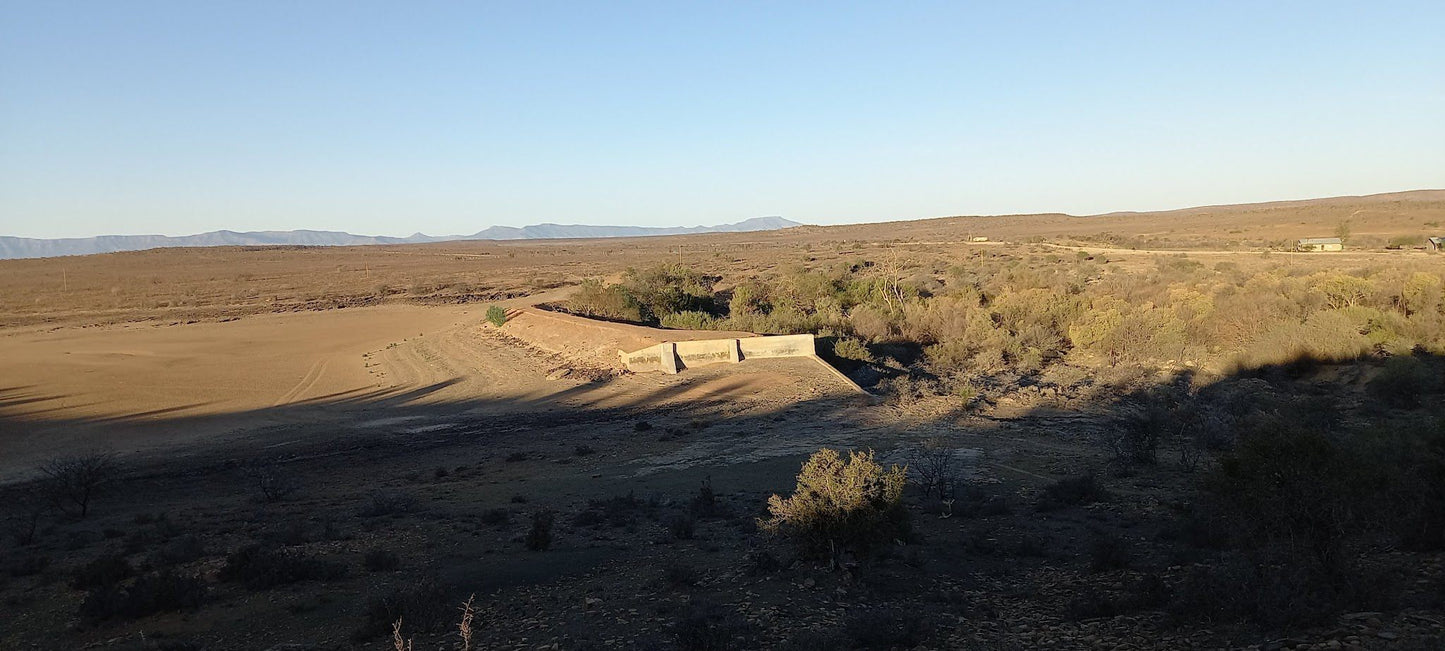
x: 446, y: 117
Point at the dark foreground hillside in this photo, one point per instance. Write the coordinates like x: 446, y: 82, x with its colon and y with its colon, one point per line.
x: 1289, y: 506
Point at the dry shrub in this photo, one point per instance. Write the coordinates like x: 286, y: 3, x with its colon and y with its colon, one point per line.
x: 871, y: 322
x: 841, y: 506
x: 270, y: 480
x: 936, y: 465
x: 75, y: 481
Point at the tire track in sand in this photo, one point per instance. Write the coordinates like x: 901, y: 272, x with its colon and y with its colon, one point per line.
x: 307, y: 381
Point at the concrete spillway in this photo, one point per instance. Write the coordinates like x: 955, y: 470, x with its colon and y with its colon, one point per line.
x: 675, y: 356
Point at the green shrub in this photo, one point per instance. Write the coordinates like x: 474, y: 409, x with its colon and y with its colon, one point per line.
x: 605, y: 302
x: 841, y: 506
x: 497, y: 315
x: 669, y: 289
x: 852, y: 349
x: 689, y: 320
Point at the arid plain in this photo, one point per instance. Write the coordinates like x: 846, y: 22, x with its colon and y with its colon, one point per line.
x: 332, y: 439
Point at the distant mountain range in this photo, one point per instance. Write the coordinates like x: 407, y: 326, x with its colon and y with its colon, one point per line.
x: 25, y: 247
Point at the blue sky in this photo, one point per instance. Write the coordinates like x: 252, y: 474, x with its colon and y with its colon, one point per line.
x: 392, y: 118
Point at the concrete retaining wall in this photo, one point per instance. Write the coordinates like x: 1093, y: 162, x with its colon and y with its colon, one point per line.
x: 779, y: 346
x: 672, y: 356
x: 712, y: 351
x: 662, y: 357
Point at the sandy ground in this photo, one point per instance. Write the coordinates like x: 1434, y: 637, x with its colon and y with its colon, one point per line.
x: 273, y: 380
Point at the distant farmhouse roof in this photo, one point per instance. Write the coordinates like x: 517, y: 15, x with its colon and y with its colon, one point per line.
x: 1320, y: 244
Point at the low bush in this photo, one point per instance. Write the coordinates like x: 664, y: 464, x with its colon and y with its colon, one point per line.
x: 102, y: 572
x: 851, y: 350
x: 1072, y: 491
x: 681, y: 526
x: 1109, y: 552
x: 149, y: 594
x: 28, y: 504
x: 271, y: 481
x: 617, y: 511
x: 936, y: 466
x: 1299, y: 504
x: 382, y: 502
x: 610, y: 302
x: 761, y: 562
x: 381, y: 560
x: 425, y: 607
x: 679, y: 575
x: 181, y: 549
x: 539, y: 537
x: 28, y: 565
x: 689, y: 320
x: 888, y: 628
x: 75, y: 481
x: 1277, y: 591
x: 1403, y: 381
x: 496, y: 517
x: 260, y: 567
x: 497, y: 315
x: 704, y: 504
x: 707, y: 627
x: 841, y: 506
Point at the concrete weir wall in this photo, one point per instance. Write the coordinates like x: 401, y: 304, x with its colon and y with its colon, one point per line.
x: 670, y: 357
x: 711, y: 351
x: 778, y: 346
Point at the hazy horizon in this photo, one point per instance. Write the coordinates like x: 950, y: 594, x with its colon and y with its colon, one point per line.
x: 699, y: 225
x: 174, y: 119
